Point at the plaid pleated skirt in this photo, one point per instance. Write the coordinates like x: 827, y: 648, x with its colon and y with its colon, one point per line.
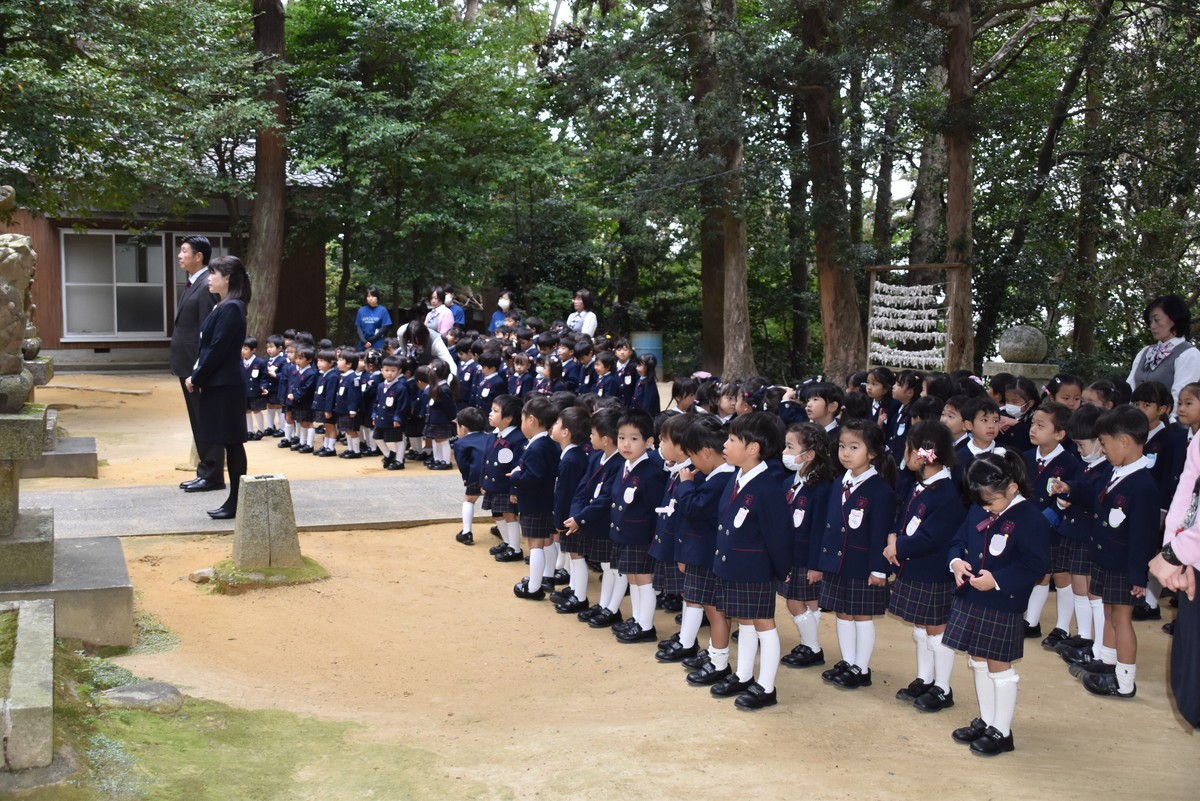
x: 667, y: 577
x: 346, y: 424
x: 469, y: 489
x: 391, y: 434
x: 439, y: 430
x: 537, y: 526
x: 922, y: 603
x: 797, y: 588
x: 498, y: 503
x: 1112, y: 587
x: 599, y: 548
x: 1058, y: 555
x: 634, y: 559
x: 748, y: 600
x: 852, y: 596
x: 1077, y: 556
x: 986, y: 632
x: 701, y: 586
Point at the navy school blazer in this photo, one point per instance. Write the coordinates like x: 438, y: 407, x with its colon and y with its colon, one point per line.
x: 1160, y: 450
x: 391, y: 404
x: 468, y: 455
x: 304, y: 387
x: 326, y: 390
x: 572, y: 466
x: 590, y: 506
x: 754, y: 539
x: 697, y: 504
x: 490, y: 386
x: 808, y: 506
x: 928, y: 524
x: 534, y: 476
x: 634, y: 498
x: 855, y: 531
x: 1015, y: 547
x: 662, y: 547
x: 1079, y: 519
x: 255, y: 374
x: 645, y: 396
x: 500, y: 458
x: 609, y: 386
x: 1126, y: 532
x: 441, y: 410
x: 1064, y: 467
x: 349, y: 394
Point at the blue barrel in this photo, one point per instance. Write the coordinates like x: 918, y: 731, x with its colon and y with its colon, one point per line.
x: 644, y: 342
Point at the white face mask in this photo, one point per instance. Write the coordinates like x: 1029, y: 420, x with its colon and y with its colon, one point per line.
x: 791, y: 463
x: 504, y: 304
x: 541, y: 372
x: 1011, y: 409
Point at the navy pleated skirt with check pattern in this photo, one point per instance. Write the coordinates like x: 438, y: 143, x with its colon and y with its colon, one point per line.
x: 634, y: 559
x: 1058, y: 556
x: 701, y: 586
x: 798, y: 588
x: 922, y: 603
x: 852, y: 596
x: 469, y: 489
x: 537, y: 526
x: 498, y: 503
x: 1112, y: 587
x: 599, y: 548
x: 1077, y: 556
x: 667, y: 577
x: 985, y: 632
x: 748, y: 600
x: 440, y: 430
x: 346, y: 424
x: 391, y: 434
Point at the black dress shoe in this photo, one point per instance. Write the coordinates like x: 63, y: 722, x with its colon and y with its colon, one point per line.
x: 561, y: 576
x: 675, y: 652
x: 708, y: 674
x: 934, y: 700
x: 587, y: 614
x: 1033, y: 632
x: 1146, y: 612
x: 623, y: 625
x: 1169, y: 628
x: 1106, y: 684
x: 496, y: 550
x: 304, y: 449
x: 1054, y: 638
x: 203, y: 485
x: 915, y: 689
x: 698, y: 661
x: 465, y: 537
x: 394, y: 465
x: 222, y: 514
x: 730, y: 686
x: 672, y: 602
x: 664, y: 643
x: 1073, y: 655
x: 509, y: 555
x: 496, y: 532
x: 575, y: 605
x: 852, y: 679
x: 636, y: 633
x: 521, y: 590
x: 836, y: 670
x: 284, y: 443
x: 561, y: 595
x: 969, y: 733
x: 188, y: 483
x: 604, y: 619
x: 802, y: 657
x: 754, y: 698
x: 1089, y: 666
x: 992, y: 742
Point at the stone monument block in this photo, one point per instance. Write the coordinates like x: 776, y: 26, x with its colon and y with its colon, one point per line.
x: 42, y: 370
x: 265, y: 532
x: 23, y: 434
x: 29, y: 712
x: 27, y: 556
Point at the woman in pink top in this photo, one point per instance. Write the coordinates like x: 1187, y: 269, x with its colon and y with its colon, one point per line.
x: 1175, y: 567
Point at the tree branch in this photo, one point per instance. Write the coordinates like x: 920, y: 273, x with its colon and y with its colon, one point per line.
x: 1013, y: 41
x: 1006, y: 7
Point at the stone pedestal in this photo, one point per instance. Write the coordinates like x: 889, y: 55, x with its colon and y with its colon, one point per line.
x: 28, y: 713
x: 1039, y: 374
x: 265, y: 532
x: 27, y: 555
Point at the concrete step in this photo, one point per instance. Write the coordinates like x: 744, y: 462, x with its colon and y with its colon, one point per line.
x: 28, y: 712
x: 91, y: 589
x: 72, y: 457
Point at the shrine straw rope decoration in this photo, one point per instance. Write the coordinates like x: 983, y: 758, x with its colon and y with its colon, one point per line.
x: 907, y: 325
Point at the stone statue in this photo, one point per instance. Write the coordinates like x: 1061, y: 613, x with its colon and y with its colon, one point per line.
x: 8, y: 198
x: 17, y: 262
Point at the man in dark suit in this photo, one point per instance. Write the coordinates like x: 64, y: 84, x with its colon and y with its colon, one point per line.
x: 193, y: 307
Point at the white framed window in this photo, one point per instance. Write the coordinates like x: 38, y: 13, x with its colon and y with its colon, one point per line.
x: 114, y: 285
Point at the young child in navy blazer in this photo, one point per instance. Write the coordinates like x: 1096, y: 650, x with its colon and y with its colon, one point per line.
x: 753, y: 552
x: 645, y: 392
x: 504, y: 450
x: 276, y: 360
x: 997, y: 556
x: 637, y: 491
x: 668, y: 580
x: 1126, y: 510
x: 521, y: 382
x: 533, y: 492
x: 491, y: 383
x: 585, y: 357
x: 906, y: 390
x: 626, y: 371
x: 572, y: 372
x: 1016, y: 415
x: 930, y: 517
x: 608, y: 382
x: 324, y: 398
x: 586, y: 530
x: 884, y: 407
x: 469, y: 450
x: 440, y: 414
x: 1154, y: 400
x: 388, y: 413
x: 851, y: 563
x: 468, y: 374
x: 348, y: 402
x: 571, y: 432
x: 1049, y: 461
x: 369, y: 378
x: 254, y: 370
x: 981, y: 421
x: 697, y: 505
x: 808, y: 489
x: 823, y: 402
x: 304, y: 389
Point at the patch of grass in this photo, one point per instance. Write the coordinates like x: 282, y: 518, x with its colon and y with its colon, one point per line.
x: 150, y: 636
x: 8, y: 647
x: 231, y: 579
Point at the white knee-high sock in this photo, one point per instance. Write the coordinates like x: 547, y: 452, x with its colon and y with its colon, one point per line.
x: 537, y: 561
x: 847, y: 641
x: 312, y: 436
x: 512, y: 533
x: 924, y: 655
x: 620, y: 583
x: 368, y: 435
x: 864, y: 636
x: 1098, y: 623
x: 747, y: 649
x: 943, y: 662
x: 643, y: 613
x: 719, y: 656
x: 635, y: 597
x: 551, y: 559
x: 608, y: 580
x: 689, y: 626
x: 809, y: 625
x: 258, y: 421
x: 1153, y: 588
x: 468, y: 515
x: 1037, y: 601
x: 1083, y: 615
x: 985, y: 690
x: 768, y: 660
x: 272, y: 418
x: 249, y: 423
x: 1006, y: 698
x: 579, y: 578
x: 385, y: 448
x: 1066, y: 608
x: 564, y: 559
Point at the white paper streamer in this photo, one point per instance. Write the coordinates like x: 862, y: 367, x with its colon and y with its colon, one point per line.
x: 909, y: 316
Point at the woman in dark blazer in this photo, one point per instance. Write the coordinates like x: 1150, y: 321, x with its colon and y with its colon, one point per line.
x: 217, y: 374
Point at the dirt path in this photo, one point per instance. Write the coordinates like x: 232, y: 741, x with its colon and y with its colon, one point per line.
x: 422, y: 641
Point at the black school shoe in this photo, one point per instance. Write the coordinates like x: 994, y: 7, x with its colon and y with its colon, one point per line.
x: 509, y: 555
x: 852, y: 679
x: 1091, y: 666
x: 730, y: 686
x: 755, y: 698
x: 572, y: 606
x: 1146, y: 612
x: 969, y: 733
x: 991, y: 742
x: 521, y: 590
x: 496, y: 550
x: 465, y: 537
x: 587, y: 614
x: 915, y: 689
x: 836, y: 670
x: 636, y: 633
x: 708, y: 674
x: 671, y: 602
x: 1055, y: 637
x: 675, y: 652
x: 1032, y: 632
x: 496, y: 532
x: 702, y: 658
x: 934, y: 700
x: 394, y: 465
x: 604, y: 619
x: 1169, y: 628
x: 803, y: 657
x: 1106, y: 684
x: 560, y: 596
x: 561, y: 576
x: 621, y: 625
x: 673, y: 638
x: 284, y: 443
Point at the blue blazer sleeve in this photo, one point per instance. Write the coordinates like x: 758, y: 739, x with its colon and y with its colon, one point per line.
x: 219, y: 361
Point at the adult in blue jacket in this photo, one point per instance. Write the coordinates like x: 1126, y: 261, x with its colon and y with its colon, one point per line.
x: 372, y: 321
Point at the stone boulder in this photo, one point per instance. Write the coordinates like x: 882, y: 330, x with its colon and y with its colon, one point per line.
x: 151, y: 696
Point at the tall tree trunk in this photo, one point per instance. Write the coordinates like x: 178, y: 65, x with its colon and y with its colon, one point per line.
x: 705, y: 78
x: 841, y: 326
x: 1086, y: 283
x: 881, y: 226
x: 798, y: 239
x: 960, y: 352
x: 855, y: 156
x: 470, y: 11
x: 264, y: 256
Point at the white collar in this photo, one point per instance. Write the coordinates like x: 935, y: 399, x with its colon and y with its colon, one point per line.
x: 1155, y: 430
x: 1018, y: 498
x: 856, y: 481
x: 605, y: 457
x: 568, y: 447
x: 1124, y: 470
x: 1058, y: 449
x: 630, y: 465
x: 832, y: 425
x: 504, y: 432
x: 675, y: 468
x: 194, y: 277
x: 935, y: 478
x: 964, y: 438
x: 724, y: 467
x: 248, y: 362
x: 536, y: 437
x: 975, y: 451
x: 742, y: 479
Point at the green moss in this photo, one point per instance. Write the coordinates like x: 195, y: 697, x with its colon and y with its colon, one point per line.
x: 232, y: 579
x: 8, y: 647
